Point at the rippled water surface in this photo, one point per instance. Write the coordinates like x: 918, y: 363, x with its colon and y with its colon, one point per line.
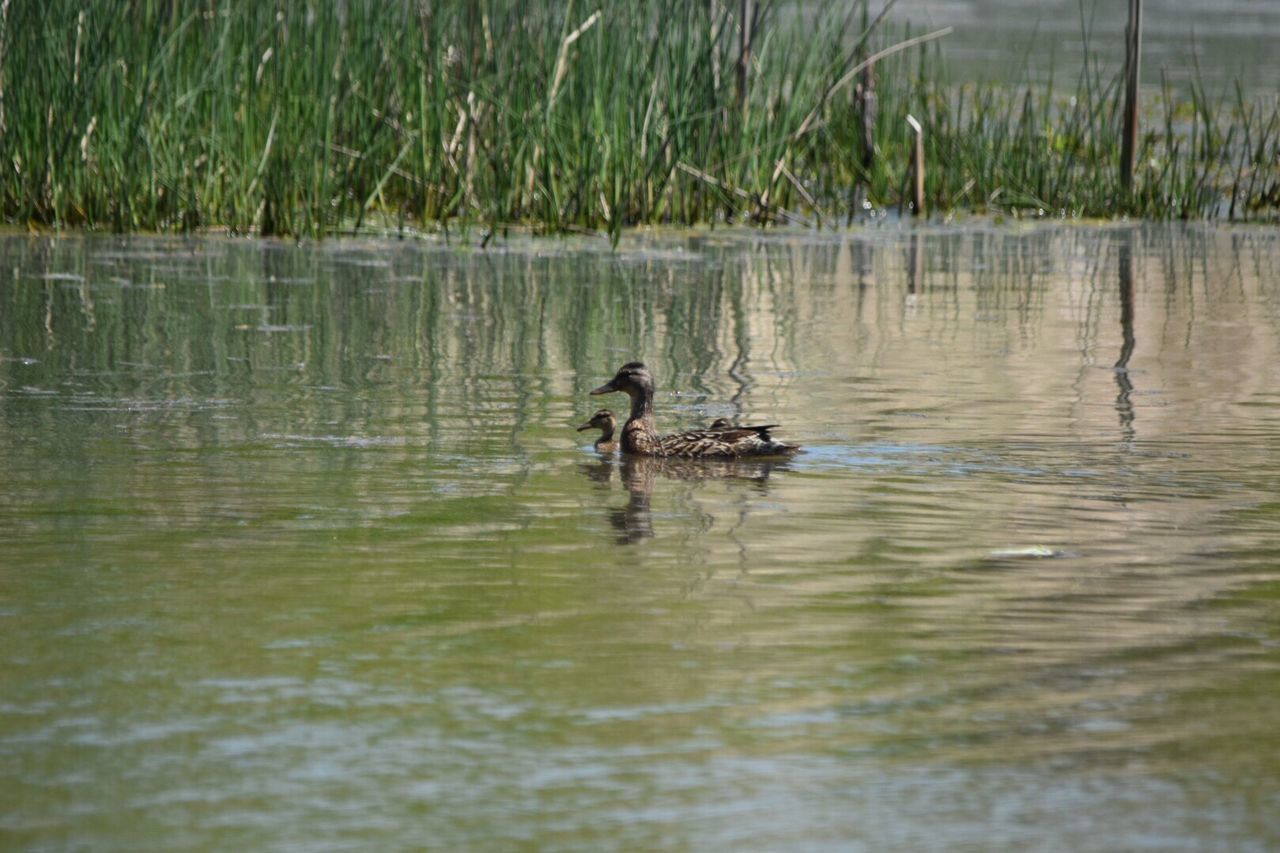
x: 299, y: 547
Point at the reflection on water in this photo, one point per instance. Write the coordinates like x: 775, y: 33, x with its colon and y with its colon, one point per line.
x: 641, y: 475
x: 1124, y: 400
x: 299, y: 545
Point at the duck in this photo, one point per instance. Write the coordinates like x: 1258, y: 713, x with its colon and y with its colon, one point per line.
x: 604, y: 421
x: 720, y: 441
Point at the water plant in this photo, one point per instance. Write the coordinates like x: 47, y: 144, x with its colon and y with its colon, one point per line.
x: 306, y: 118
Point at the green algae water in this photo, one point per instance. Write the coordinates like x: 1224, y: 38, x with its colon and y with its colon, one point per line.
x: 300, y: 549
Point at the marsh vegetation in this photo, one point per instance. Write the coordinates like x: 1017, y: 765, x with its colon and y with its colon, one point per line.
x: 310, y: 118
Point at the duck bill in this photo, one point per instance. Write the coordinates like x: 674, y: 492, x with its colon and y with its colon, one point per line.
x: 606, y: 388
x: 585, y: 427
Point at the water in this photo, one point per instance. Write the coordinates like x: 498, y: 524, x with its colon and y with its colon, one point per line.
x: 300, y: 549
x: 1213, y: 41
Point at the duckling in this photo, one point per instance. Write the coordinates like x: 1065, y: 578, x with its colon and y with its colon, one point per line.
x: 604, y: 421
x: 640, y: 434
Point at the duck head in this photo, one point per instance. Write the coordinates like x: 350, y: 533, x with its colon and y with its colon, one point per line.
x: 632, y: 379
x: 602, y: 420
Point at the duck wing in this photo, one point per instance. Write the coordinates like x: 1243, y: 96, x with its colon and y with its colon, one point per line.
x: 733, y: 441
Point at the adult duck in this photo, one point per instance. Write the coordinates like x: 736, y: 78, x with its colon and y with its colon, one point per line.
x: 640, y: 435
x: 604, y: 421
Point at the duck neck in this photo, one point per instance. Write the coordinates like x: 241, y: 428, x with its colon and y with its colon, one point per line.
x: 642, y: 407
x: 606, y: 435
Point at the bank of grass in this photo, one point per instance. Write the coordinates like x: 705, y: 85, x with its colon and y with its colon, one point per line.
x: 304, y: 118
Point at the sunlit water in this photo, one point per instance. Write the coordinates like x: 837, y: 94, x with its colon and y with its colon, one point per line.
x: 299, y: 547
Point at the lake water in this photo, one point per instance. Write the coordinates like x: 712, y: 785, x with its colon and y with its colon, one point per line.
x: 299, y: 548
x: 1216, y: 41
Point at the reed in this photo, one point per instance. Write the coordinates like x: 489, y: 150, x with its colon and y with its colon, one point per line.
x: 293, y: 118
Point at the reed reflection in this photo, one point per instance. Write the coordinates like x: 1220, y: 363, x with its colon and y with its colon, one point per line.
x: 1124, y: 397
x: 915, y: 266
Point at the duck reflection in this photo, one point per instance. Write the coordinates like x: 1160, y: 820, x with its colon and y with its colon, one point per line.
x: 633, y: 521
x: 642, y: 475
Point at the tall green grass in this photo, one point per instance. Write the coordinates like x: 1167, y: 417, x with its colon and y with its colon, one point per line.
x: 304, y: 118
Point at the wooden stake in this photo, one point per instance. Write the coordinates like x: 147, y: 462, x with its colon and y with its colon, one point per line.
x: 745, y: 23
x: 1132, y: 59
x: 917, y: 168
